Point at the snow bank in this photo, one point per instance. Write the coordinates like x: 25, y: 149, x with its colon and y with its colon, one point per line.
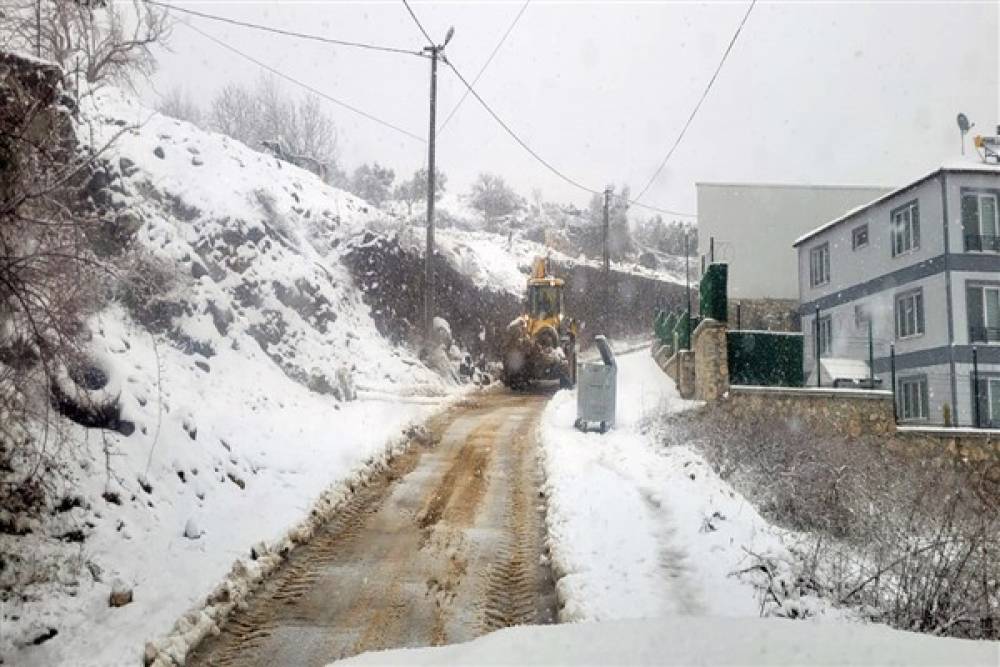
x: 681, y: 640
x: 234, y: 375
x: 637, y: 530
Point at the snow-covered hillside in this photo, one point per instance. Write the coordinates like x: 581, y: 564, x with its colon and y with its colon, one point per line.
x: 232, y: 346
x: 503, y: 261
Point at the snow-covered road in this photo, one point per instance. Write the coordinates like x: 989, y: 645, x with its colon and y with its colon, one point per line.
x: 444, y: 546
x: 644, y: 541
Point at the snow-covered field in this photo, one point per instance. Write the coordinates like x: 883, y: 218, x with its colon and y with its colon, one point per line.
x: 687, y: 640
x: 234, y: 392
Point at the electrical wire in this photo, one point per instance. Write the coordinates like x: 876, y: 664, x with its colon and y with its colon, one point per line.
x: 518, y: 139
x: 514, y: 136
x: 701, y: 100
x: 430, y: 42
x: 279, y: 31
x: 482, y: 69
x: 306, y: 86
x: 542, y: 160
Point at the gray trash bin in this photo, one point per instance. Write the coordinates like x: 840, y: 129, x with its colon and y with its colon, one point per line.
x: 596, y: 390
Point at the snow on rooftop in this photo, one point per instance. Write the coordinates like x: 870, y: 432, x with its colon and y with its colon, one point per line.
x: 966, y: 163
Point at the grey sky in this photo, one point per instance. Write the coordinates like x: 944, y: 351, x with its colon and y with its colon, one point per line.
x: 843, y: 93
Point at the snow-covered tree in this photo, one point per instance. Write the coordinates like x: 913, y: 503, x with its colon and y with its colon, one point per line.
x: 492, y: 197
x: 414, y: 190
x: 372, y: 182
x: 178, y: 103
x: 100, y: 40
x: 265, y: 116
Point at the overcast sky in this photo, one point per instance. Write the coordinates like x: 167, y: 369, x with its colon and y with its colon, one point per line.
x: 837, y: 93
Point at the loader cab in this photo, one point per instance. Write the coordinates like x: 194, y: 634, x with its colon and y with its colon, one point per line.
x: 545, y: 299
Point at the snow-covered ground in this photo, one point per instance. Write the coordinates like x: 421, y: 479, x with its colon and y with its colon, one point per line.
x: 236, y: 390
x: 645, y: 541
x: 637, y: 530
x: 687, y: 640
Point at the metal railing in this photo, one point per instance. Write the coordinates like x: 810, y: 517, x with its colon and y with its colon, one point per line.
x: 980, y: 242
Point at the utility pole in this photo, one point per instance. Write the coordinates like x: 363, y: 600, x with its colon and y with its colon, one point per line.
x: 607, y: 254
x: 819, y: 349
x: 687, y: 281
x: 607, y: 206
x: 975, y: 388
x: 38, y: 28
x: 435, y: 53
x: 871, y: 355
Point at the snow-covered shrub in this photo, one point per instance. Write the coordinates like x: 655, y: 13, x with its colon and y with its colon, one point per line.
x: 914, y: 541
x: 48, y: 273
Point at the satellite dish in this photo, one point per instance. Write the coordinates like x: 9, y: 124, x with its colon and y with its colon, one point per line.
x: 963, y: 123
x: 449, y: 35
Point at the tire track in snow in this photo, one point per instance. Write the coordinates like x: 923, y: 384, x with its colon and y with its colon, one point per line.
x: 441, y: 547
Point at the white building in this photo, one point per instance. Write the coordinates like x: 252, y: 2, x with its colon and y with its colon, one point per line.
x: 922, y: 265
x: 754, y: 224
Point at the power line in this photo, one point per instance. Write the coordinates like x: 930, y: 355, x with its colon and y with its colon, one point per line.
x: 279, y: 31
x: 486, y: 64
x: 514, y: 136
x: 704, y: 94
x: 518, y: 139
x: 305, y: 86
x: 419, y: 24
x: 542, y: 160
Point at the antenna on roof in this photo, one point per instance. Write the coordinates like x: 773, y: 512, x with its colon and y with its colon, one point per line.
x: 963, y: 127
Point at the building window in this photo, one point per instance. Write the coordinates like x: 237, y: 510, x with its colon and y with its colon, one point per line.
x: 982, y: 306
x: 993, y: 395
x: 980, y: 226
x: 819, y: 265
x: 905, y: 229
x: 859, y: 237
x: 987, y: 392
x: 825, y: 335
x: 912, y: 398
x: 910, y: 314
x: 861, y: 317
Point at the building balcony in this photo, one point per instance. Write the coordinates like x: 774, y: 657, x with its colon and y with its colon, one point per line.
x: 984, y: 334
x: 978, y: 242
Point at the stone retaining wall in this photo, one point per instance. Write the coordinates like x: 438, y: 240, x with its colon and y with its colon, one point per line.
x: 680, y: 367
x: 711, y: 367
x: 966, y: 444
x: 845, y: 411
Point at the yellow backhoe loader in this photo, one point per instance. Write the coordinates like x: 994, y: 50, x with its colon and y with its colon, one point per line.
x: 541, y: 343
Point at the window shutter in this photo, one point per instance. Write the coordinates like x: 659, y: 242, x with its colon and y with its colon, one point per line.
x: 970, y: 223
x: 974, y: 313
x: 915, y: 219
x: 925, y: 405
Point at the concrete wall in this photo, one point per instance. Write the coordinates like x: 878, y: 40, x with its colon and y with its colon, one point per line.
x: 754, y: 226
